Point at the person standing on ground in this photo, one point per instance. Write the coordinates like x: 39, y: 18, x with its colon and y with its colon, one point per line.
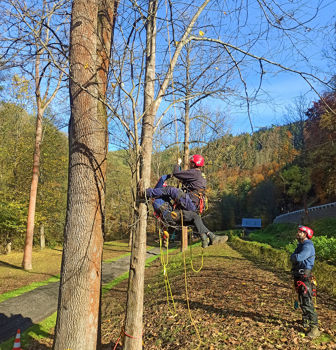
x: 303, y: 260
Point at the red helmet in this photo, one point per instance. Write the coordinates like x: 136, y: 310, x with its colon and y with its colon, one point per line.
x: 197, y: 159
x: 308, y: 231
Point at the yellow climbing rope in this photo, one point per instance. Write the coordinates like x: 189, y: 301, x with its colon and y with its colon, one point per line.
x: 164, y: 263
x: 190, y: 247
x: 186, y: 287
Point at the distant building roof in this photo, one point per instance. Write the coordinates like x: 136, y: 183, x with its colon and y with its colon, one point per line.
x: 246, y: 222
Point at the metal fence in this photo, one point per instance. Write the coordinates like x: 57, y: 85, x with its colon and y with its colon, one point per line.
x: 314, y: 213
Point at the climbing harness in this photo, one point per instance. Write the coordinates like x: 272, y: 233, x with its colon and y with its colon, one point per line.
x: 300, y: 284
x: 314, y: 289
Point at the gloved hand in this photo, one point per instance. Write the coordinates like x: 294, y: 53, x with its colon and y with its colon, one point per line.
x: 166, y: 177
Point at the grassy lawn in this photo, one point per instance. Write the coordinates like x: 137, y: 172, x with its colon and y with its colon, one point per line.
x: 231, y: 303
x: 46, y: 265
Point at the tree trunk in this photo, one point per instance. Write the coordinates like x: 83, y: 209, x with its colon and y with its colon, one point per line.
x: 80, y: 286
x: 41, y: 36
x: 186, y: 154
x: 28, y: 247
x: 135, y: 294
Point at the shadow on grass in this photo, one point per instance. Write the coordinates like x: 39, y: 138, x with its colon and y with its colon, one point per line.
x: 6, y: 264
x: 286, y: 277
x: 30, y: 332
x: 58, y: 249
x: 253, y: 315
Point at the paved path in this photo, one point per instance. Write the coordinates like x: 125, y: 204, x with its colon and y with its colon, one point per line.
x: 33, y: 307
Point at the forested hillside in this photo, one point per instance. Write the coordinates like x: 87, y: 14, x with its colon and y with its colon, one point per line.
x: 17, y: 130
x: 274, y: 170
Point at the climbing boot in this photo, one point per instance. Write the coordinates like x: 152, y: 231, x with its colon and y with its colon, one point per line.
x: 314, y: 332
x: 176, y: 216
x: 205, y: 240
x: 305, y: 324
x: 216, y: 239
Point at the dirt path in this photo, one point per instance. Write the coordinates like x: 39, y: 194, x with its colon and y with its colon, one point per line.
x: 235, y: 304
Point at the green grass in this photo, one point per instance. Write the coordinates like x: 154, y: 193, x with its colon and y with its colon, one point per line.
x: 38, y: 331
x: 107, y: 286
x: 279, y: 258
x: 42, y: 330
x: 117, y: 257
x: 34, y: 285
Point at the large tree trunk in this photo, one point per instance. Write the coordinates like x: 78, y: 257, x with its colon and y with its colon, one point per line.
x: 135, y: 295
x: 79, y: 299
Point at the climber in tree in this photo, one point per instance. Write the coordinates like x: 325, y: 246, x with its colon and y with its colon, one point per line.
x: 189, y: 199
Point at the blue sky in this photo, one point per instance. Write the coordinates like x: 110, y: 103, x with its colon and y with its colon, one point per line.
x: 281, y: 89
x: 282, y: 93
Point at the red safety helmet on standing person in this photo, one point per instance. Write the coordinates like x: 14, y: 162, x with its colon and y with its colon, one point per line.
x: 197, y: 159
x: 308, y: 231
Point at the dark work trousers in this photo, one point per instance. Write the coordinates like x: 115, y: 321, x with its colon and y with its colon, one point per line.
x: 175, y: 194
x: 304, y: 288
x: 196, y: 220
x: 189, y: 218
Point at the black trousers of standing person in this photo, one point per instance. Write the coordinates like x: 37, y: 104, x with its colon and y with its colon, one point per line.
x: 304, y: 287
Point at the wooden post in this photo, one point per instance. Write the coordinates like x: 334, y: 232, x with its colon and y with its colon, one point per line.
x: 184, y: 238
x: 8, y: 247
x: 42, y: 237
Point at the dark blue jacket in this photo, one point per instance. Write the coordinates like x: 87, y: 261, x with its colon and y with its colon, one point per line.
x: 158, y: 202
x: 192, y: 179
x: 303, y: 256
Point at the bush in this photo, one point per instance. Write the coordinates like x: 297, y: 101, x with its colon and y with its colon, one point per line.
x: 324, y: 227
x: 284, y: 236
x: 262, y: 252
x: 13, y: 218
x: 325, y: 248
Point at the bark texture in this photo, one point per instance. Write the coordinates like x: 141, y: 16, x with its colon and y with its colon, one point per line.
x: 135, y: 295
x: 28, y: 247
x: 80, y: 287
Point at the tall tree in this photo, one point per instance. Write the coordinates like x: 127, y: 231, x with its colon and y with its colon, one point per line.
x: 80, y: 287
x: 30, y: 42
x: 134, y: 312
x: 320, y: 139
